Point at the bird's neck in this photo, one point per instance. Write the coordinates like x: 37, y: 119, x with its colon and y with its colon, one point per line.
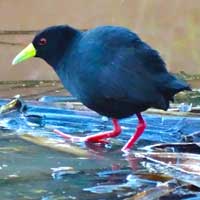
x: 71, y: 37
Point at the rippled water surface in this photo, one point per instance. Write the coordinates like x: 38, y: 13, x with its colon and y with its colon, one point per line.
x: 35, y: 163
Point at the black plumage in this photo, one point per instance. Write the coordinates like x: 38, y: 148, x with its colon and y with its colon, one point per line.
x: 109, y: 69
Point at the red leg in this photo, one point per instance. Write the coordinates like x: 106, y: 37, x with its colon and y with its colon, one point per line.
x: 140, y: 129
x: 101, y: 136
x: 97, y: 138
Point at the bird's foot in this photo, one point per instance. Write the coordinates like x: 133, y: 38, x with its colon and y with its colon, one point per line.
x: 96, y: 138
x: 90, y: 139
x: 72, y: 138
x: 68, y: 137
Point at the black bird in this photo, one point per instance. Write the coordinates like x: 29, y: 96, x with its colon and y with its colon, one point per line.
x: 110, y: 70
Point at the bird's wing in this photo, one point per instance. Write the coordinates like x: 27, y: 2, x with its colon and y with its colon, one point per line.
x: 128, y: 68
x: 127, y: 78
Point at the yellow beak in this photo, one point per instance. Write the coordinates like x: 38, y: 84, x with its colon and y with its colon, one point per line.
x: 25, y: 54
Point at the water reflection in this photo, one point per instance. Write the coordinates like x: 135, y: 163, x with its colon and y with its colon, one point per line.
x: 37, y: 164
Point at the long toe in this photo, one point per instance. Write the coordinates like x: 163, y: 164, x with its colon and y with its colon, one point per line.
x: 90, y: 139
x: 69, y: 137
x: 72, y: 138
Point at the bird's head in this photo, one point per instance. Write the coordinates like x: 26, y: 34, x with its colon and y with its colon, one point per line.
x: 50, y: 44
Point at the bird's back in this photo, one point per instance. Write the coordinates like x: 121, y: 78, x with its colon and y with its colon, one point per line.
x: 115, y: 73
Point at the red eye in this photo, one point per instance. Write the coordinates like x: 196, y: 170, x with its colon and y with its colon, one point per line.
x: 42, y: 41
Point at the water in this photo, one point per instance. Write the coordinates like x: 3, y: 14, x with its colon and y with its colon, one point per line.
x: 35, y: 168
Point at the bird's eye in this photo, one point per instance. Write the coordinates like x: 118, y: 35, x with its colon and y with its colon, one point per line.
x: 42, y: 41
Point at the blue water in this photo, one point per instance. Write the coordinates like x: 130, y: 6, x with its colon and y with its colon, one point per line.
x: 30, y: 171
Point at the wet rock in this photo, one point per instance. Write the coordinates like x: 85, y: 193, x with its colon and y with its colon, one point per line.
x: 16, y: 104
x: 175, y: 147
x: 59, y: 172
x: 156, y: 192
x: 193, y: 137
x: 184, y: 167
x: 35, y: 120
